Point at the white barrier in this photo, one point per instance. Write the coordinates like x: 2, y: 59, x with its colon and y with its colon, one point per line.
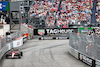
x: 97, y: 63
x: 11, y: 44
x: 18, y: 42
x: 73, y: 52
x: 24, y: 39
x: 84, y: 58
x: 5, y: 49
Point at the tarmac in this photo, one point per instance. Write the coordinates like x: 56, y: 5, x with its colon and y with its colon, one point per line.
x: 44, y: 53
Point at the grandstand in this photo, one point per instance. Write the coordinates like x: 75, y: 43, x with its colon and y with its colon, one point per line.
x: 98, y: 11
x: 63, y: 13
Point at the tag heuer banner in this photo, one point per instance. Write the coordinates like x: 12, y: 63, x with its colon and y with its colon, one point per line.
x: 41, y: 31
x: 4, y: 6
x: 54, y: 31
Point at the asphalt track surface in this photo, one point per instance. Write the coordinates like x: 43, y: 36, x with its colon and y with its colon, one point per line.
x: 44, y: 53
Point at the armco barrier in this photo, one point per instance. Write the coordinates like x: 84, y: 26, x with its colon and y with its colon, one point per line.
x: 85, y: 48
x: 24, y: 39
x: 82, y: 57
x: 56, y: 33
x: 5, y: 49
x: 30, y: 36
x: 73, y: 52
x: 18, y: 42
x: 6, y: 43
x: 53, y: 38
x: 97, y: 63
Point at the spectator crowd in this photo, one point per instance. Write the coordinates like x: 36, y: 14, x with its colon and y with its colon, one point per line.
x: 98, y: 11
x: 40, y: 8
x: 76, y: 11
x: 53, y: 15
x: 94, y: 32
x: 71, y: 12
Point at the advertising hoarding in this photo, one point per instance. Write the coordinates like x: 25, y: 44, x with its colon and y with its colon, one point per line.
x: 24, y: 39
x: 4, y: 6
x: 84, y: 30
x: 18, y: 43
x: 49, y: 34
x: 87, y: 60
x: 0, y: 6
x: 55, y: 31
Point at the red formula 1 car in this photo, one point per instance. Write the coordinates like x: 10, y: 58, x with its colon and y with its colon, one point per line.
x: 13, y: 53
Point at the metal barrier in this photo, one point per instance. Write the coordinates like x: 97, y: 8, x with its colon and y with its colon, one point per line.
x: 30, y: 31
x: 85, y: 48
x: 82, y: 43
x: 6, y: 43
x: 27, y: 30
x: 97, y: 47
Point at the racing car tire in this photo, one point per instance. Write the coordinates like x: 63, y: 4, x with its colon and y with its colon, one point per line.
x: 67, y: 37
x: 6, y: 56
x: 21, y: 53
x: 19, y: 56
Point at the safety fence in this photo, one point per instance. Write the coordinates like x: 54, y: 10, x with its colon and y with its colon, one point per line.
x: 28, y: 33
x: 28, y: 30
x: 9, y: 38
x: 10, y: 41
x: 85, y: 48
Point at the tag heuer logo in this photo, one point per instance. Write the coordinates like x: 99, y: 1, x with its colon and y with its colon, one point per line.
x: 41, y: 31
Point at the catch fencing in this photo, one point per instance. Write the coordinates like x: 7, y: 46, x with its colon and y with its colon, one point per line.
x: 88, y: 45
x: 87, y: 48
x: 6, y: 43
x: 30, y: 31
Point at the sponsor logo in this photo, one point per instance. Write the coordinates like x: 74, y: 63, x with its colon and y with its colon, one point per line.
x: 80, y: 57
x: 0, y: 5
x: 41, y: 31
x: 86, y: 59
x: 18, y: 43
x: 62, y: 31
x: 85, y: 28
